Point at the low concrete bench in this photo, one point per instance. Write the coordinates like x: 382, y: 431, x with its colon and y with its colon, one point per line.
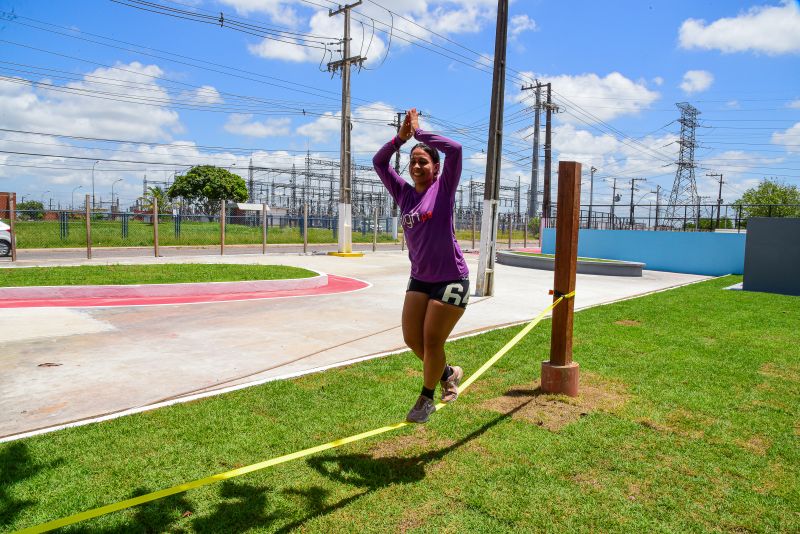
x: 607, y: 268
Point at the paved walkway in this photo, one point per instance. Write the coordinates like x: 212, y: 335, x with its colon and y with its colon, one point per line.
x: 68, y: 364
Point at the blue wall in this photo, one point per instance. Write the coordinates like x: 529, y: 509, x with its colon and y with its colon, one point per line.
x: 678, y: 252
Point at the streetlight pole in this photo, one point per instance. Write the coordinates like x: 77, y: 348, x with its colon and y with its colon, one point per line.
x: 112, y: 192
x: 72, y: 198
x: 93, y: 164
x: 591, y: 195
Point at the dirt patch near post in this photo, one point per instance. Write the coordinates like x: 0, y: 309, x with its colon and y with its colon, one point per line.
x: 554, y: 412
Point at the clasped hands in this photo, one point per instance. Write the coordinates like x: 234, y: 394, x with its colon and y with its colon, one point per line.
x: 410, y: 125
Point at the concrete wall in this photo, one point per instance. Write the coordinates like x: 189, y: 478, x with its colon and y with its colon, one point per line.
x: 705, y: 253
x: 772, y: 256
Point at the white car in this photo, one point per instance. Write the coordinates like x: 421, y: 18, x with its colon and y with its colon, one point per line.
x: 5, y: 239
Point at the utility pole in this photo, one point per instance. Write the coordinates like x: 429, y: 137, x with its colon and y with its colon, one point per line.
x: 491, y: 192
x: 614, y: 205
x: 684, y: 188
x: 250, y: 181
x: 633, y: 188
x: 548, y: 150
x: 591, y: 195
x: 537, y: 108
x: 658, y: 198
x: 93, y: 165
x: 719, y: 195
x: 345, y: 207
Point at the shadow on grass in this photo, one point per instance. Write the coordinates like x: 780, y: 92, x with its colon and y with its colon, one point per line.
x: 366, y: 471
x: 16, y: 465
x: 152, y: 517
x: 247, y: 506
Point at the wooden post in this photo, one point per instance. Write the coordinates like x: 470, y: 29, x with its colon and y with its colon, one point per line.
x: 222, y: 228
x: 375, y: 232
x: 88, y: 209
x: 12, y: 217
x: 305, y: 228
x: 155, y: 226
x: 264, y: 228
x: 560, y: 373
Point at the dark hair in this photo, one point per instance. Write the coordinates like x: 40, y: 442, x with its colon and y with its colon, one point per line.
x: 432, y: 152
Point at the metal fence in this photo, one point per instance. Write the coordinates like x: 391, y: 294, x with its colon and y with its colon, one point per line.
x: 58, y: 229
x: 69, y: 229
x: 694, y: 217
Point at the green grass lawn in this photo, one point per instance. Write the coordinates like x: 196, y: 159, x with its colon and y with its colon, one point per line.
x: 46, y: 234
x: 688, y: 422
x: 168, y: 273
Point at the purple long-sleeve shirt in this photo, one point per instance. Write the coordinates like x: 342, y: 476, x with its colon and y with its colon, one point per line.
x: 427, y: 218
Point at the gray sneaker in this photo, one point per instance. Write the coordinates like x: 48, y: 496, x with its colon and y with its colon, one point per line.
x: 450, y: 386
x: 421, y: 411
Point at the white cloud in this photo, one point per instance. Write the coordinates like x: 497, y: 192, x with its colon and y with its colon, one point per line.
x: 367, y: 135
x: 243, y: 124
x: 279, y: 11
x: 795, y: 104
x: 322, y: 129
x: 36, y: 107
x: 658, y: 80
x: 288, y: 49
x: 790, y: 138
x: 206, y: 94
x: 738, y: 168
x: 769, y: 29
x: 484, y: 61
x: 604, y: 98
x: 519, y: 24
x: 696, y: 81
x: 443, y: 17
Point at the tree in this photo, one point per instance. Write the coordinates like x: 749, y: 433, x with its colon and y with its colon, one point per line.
x: 30, y: 210
x: 770, y: 199
x: 206, y: 185
x: 157, y: 195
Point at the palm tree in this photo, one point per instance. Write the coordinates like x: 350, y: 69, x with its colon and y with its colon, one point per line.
x: 159, y: 196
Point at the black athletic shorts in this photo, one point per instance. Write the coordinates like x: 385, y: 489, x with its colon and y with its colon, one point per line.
x: 455, y: 292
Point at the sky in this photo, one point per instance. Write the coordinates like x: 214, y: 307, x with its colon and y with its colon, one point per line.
x: 113, y: 91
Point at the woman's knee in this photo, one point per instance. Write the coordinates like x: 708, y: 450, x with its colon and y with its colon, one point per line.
x: 414, y: 342
x: 433, y: 344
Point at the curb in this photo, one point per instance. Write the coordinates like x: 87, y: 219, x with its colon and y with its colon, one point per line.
x: 162, y: 290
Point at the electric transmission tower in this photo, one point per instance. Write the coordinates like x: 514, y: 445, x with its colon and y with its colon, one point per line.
x: 684, y: 189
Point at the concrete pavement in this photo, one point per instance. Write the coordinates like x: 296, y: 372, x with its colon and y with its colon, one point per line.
x: 114, y: 359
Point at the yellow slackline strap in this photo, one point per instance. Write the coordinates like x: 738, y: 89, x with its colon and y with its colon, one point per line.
x: 135, y: 501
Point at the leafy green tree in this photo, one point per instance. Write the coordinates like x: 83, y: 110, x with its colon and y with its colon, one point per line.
x: 205, y: 186
x: 770, y: 199
x: 30, y: 210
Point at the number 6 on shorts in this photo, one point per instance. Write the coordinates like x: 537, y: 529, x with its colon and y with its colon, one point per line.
x: 448, y: 294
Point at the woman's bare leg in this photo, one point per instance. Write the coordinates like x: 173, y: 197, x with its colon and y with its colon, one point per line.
x: 414, y: 309
x: 440, y: 318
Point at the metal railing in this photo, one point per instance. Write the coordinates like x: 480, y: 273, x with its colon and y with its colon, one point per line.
x: 683, y: 218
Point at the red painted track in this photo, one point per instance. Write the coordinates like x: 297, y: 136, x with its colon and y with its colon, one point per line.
x: 336, y: 284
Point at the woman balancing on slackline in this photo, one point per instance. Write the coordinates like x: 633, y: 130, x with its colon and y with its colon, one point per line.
x: 438, y: 289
